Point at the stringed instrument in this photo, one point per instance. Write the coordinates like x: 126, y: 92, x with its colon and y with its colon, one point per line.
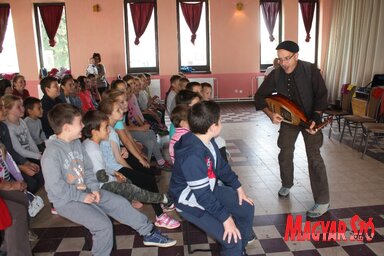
x: 291, y: 113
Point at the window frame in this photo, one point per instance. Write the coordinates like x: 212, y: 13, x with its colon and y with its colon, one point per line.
x: 38, y: 32
x: 139, y: 70
x: 263, y: 67
x: 202, y: 69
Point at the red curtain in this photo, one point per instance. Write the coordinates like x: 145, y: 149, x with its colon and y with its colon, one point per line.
x: 192, y: 15
x: 270, y: 11
x: 141, y: 14
x: 51, y: 16
x: 4, y: 13
x: 307, y: 11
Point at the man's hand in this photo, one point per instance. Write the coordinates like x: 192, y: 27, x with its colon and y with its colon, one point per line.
x: 231, y: 231
x: 243, y: 196
x: 312, y: 130
x: 276, y: 118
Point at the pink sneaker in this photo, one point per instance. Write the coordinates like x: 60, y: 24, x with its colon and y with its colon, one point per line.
x: 165, y: 221
x: 53, y: 211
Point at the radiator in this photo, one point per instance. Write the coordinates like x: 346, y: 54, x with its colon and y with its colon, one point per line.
x: 155, y: 88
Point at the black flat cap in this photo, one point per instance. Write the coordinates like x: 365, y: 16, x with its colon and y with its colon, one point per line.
x: 289, y: 46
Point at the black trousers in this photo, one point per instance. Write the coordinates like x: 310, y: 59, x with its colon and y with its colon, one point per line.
x: 145, y: 181
x: 317, y: 173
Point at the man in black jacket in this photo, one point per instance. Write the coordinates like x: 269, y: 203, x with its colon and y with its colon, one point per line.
x: 302, y: 83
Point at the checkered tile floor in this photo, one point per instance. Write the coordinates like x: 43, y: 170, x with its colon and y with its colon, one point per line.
x: 269, y: 229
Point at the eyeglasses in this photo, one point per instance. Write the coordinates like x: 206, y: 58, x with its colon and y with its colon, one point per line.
x: 285, y: 58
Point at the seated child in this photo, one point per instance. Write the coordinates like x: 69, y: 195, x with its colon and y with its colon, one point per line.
x: 114, y: 159
x: 21, y: 137
x: 195, y: 87
x: 33, y: 113
x: 141, y: 134
x: 95, y: 130
x: 153, y: 102
x: 179, y: 118
x: 50, y: 87
x: 206, y: 91
x: 183, y: 83
x: 224, y: 212
x: 15, y: 236
x: 30, y: 171
x: 184, y: 97
x: 145, y: 115
x: 87, y: 101
x: 170, y: 103
x: 74, y: 191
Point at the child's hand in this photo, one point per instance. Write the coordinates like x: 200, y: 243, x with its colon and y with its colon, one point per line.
x: 120, y: 178
x: 144, y: 163
x: 145, y: 127
x: 243, y: 196
x: 124, y: 153
x: 97, y: 196
x: 231, y: 231
x: 89, y: 198
x: 22, y: 185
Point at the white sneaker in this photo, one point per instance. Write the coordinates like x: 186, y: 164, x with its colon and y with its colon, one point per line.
x: 283, y: 192
x: 317, y: 210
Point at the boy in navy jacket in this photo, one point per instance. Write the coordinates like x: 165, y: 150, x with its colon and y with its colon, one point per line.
x: 223, y: 211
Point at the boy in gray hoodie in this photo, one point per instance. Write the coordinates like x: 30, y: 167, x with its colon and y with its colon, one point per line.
x: 74, y: 191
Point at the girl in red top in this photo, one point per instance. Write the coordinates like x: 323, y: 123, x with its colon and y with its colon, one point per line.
x: 18, y: 84
x: 85, y: 94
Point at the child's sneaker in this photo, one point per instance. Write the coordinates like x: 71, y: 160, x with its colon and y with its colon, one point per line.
x: 53, y: 211
x: 167, y: 166
x: 168, y: 207
x: 155, y: 238
x: 165, y: 221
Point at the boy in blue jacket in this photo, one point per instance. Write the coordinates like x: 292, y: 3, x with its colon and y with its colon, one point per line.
x: 223, y: 211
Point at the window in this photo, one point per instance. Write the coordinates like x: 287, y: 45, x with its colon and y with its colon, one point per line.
x: 55, y: 56
x: 268, y: 47
x: 8, y: 57
x: 193, y: 57
x: 308, y: 50
x: 142, y: 56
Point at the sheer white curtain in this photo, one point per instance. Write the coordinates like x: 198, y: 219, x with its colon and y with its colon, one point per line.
x: 356, y: 45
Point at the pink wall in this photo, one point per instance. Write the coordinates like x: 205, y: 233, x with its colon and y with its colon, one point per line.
x: 234, y: 35
x: 290, y: 20
x: 235, y: 51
